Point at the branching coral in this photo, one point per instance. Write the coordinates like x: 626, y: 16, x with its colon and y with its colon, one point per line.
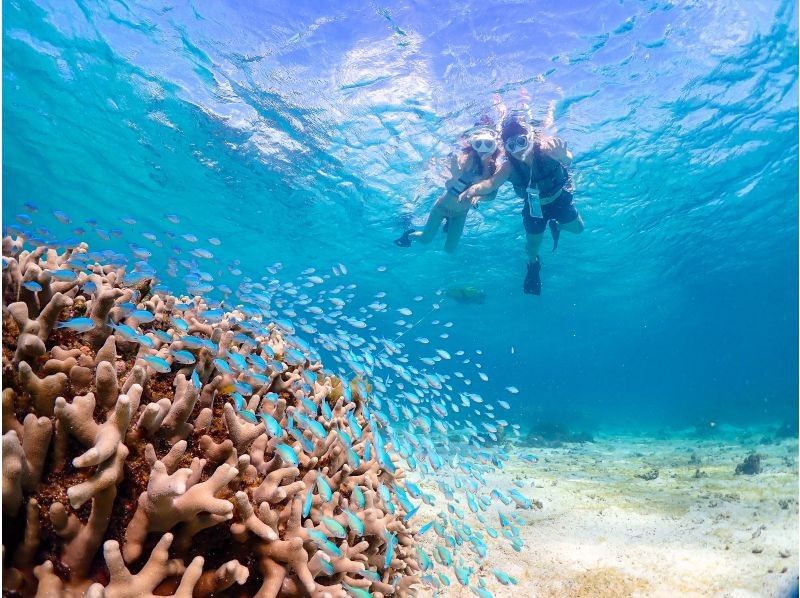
x: 131, y: 429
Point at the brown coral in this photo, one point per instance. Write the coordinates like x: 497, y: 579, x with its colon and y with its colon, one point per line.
x: 141, y: 454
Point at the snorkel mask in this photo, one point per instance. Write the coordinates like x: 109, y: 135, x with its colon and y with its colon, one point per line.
x: 518, y: 130
x: 483, y: 141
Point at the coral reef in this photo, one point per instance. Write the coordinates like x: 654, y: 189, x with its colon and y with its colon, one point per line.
x: 649, y: 475
x: 155, y: 445
x: 750, y: 466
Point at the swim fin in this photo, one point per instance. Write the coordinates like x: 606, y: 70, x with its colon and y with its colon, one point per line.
x: 555, y: 230
x: 533, y: 282
x: 405, y: 239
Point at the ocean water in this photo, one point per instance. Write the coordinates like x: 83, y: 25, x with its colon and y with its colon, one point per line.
x: 309, y: 134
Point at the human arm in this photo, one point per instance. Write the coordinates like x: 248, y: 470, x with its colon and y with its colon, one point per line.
x: 488, y: 186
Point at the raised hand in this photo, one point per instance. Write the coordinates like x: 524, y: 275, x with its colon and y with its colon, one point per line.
x: 555, y: 148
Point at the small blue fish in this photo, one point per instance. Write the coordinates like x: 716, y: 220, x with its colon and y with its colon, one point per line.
x: 273, y: 427
x: 32, y: 285
x: 356, y: 523
x: 324, y: 489
x: 180, y: 323
x: 157, y: 363
x: 327, y: 412
x: 64, y: 275
x: 77, y: 324
x: 192, y: 342
x: 257, y: 361
x: 238, y: 401
x: 358, y: 497
x: 327, y: 566
x: 391, y: 542
x: 183, y: 356
x: 321, y: 541
x: 444, y: 556
x: 62, y: 217
x: 145, y: 340
x: 143, y: 316
x: 353, y: 459
x: 237, y: 361
x: 162, y: 336
x: 288, y: 454
x: 249, y: 416
x: 126, y: 332
x: 336, y: 528
x: 223, y: 366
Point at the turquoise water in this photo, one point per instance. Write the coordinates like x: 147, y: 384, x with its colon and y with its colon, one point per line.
x: 307, y: 134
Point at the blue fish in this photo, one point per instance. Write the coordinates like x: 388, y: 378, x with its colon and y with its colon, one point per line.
x: 356, y: 523
x: 183, y: 356
x: 335, y: 527
x: 64, y: 275
x: 353, y: 459
x: 32, y: 285
x: 162, y: 336
x: 223, y: 366
x: 157, y: 363
x: 324, y: 489
x: 288, y: 454
x: 237, y: 361
x: 180, y: 323
x: 249, y: 416
x: 321, y: 541
x: 239, y: 402
x: 77, y: 324
x: 257, y: 361
x: 274, y: 428
x: 126, y: 332
x: 358, y: 497
x: 192, y: 342
x: 391, y: 542
x: 143, y: 316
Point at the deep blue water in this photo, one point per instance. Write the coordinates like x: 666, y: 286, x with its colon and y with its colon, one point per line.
x: 306, y: 133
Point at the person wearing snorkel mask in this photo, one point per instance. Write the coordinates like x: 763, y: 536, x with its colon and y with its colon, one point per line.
x: 477, y: 161
x: 539, y: 163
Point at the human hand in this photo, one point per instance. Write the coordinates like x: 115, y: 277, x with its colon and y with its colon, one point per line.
x: 467, y: 196
x: 555, y: 148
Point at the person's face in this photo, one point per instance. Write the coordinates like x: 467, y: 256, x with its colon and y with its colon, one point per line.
x: 485, y: 145
x: 517, y: 144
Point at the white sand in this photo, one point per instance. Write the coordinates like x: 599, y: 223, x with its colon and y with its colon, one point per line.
x: 603, y: 532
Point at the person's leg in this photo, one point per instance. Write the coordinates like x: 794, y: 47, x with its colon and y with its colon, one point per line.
x: 533, y: 242
x: 455, y: 229
x: 534, y: 227
x: 564, y: 212
x: 576, y: 226
x: 427, y: 234
x: 432, y: 224
x: 562, y: 215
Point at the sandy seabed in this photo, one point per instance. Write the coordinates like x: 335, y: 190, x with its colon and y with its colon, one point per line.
x: 698, y: 529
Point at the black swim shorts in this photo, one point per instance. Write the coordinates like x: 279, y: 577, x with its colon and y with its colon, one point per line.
x: 562, y: 210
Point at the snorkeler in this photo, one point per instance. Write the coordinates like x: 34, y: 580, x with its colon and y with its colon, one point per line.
x: 540, y: 163
x: 477, y: 161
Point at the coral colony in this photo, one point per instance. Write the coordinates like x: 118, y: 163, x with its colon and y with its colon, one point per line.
x: 152, y: 444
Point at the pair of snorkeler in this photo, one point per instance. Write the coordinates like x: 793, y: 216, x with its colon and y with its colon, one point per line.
x: 536, y: 165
